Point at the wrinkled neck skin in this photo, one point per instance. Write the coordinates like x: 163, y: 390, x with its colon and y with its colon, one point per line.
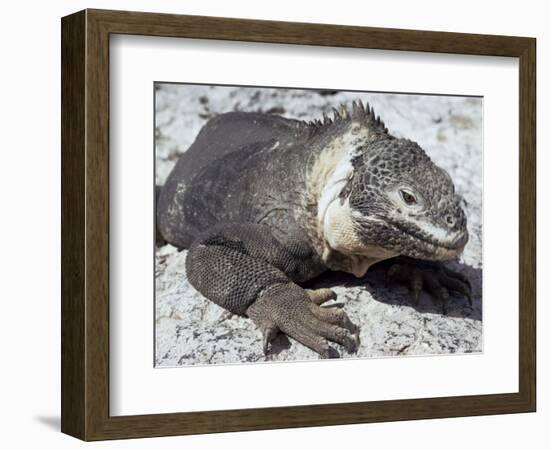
x: 335, y: 238
x: 343, y: 248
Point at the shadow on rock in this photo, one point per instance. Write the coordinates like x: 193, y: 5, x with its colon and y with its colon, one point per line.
x: 397, y: 294
x: 280, y: 343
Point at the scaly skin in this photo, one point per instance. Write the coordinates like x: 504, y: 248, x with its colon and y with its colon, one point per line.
x: 265, y: 203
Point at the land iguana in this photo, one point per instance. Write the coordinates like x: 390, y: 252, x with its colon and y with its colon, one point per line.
x: 265, y: 203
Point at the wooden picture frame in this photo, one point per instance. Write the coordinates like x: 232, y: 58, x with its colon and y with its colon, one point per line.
x: 85, y: 224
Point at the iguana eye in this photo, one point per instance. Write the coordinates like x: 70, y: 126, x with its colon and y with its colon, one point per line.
x: 407, y: 197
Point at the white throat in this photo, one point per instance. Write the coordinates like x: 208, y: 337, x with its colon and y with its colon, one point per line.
x: 334, y: 215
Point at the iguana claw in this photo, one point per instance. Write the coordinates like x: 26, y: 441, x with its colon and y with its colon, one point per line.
x: 437, y: 281
x: 269, y: 334
x: 299, y: 314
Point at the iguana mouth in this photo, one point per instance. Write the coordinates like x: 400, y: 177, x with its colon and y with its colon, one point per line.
x: 456, y: 245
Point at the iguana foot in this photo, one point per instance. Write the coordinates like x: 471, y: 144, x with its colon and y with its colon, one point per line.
x: 438, y: 281
x: 298, y: 313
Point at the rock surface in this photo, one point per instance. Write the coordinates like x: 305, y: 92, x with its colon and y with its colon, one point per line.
x: 192, y: 330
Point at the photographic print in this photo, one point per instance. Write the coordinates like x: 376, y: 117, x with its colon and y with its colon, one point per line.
x: 298, y: 224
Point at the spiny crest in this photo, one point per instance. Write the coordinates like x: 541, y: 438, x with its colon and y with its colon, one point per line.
x: 359, y: 112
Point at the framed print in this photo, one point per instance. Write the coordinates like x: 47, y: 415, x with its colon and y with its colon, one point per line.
x: 251, y: 209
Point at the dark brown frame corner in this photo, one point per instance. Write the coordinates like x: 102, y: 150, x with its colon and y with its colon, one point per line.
x: 85, y: 224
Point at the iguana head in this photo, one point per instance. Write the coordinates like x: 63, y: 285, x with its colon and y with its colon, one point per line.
x: 385, y: 197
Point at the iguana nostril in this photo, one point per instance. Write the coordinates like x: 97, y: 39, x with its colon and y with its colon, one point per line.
x: 450, y: 220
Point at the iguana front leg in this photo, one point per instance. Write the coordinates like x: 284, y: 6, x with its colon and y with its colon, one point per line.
x: 244, y: 269
x: 436, y: 279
